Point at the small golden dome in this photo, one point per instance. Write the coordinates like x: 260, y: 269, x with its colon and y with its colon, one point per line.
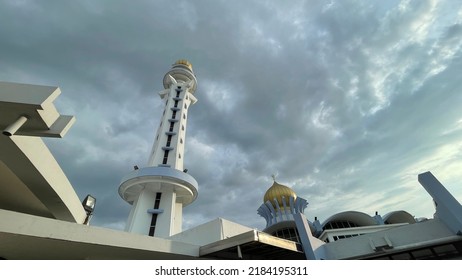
x: 278, y: 191
x: 185, y: 63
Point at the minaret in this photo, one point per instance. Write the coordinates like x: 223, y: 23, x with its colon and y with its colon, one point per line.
x: 159, y: 191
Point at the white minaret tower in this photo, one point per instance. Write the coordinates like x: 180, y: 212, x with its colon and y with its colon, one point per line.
x: 159, y: 191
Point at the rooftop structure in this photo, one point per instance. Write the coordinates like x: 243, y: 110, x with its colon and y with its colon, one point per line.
x: 31, y: 181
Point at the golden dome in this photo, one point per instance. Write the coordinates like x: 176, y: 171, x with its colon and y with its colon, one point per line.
x: 278, y: 191
x: 185, y: 63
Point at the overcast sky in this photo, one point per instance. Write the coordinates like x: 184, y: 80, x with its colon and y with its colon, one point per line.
x: 345, y: 101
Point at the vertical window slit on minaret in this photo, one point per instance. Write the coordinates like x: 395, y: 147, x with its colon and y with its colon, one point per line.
x: 171, y: 126
x: 165, y: 157
x: 169, y: 140
x: 176, y: 104
x: 173, y: 114
x: 157, y: 202
x: 152, y: 228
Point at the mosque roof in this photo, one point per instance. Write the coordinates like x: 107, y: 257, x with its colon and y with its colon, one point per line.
x: 277, y: 191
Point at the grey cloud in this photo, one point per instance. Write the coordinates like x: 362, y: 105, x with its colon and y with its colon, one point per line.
x: 337, y: 98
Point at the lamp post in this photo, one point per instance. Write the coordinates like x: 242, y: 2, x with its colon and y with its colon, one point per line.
x: 89, y: 204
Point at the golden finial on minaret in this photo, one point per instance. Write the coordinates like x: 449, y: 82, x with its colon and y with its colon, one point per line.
x: 185, y: 63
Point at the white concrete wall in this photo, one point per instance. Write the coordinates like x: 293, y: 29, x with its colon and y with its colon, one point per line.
x: 178, y: 219
x: 330, y: 233
x: 400, y: 237
x: 25, y: 236
x: 209, y: 232
x: 33, y: 164
x: 165, y: 225
x: 140, y: 218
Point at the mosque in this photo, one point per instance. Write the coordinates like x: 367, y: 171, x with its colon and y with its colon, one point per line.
x: 41, y: 216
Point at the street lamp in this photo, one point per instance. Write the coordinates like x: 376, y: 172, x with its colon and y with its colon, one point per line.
x: 89, y: 206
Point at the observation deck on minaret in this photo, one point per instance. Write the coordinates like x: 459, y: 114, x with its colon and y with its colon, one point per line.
x: 159, y: 191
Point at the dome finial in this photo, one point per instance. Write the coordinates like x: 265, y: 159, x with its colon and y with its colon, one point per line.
x: 273, y: 176
x: 184, y: 62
